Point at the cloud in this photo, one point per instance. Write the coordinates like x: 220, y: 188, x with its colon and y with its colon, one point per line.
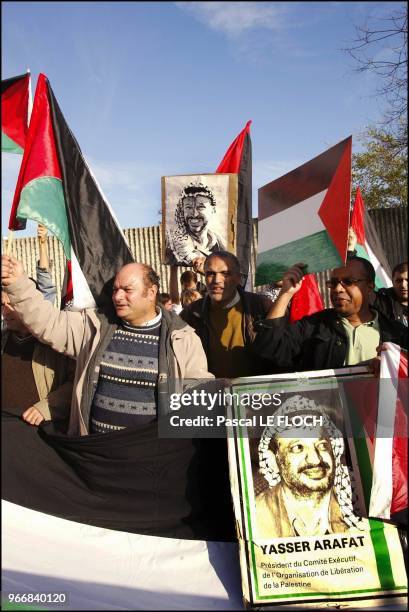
x: 259, y: 31
x: 133, y: 190
x: 265, y: 171
x: 234, y: 18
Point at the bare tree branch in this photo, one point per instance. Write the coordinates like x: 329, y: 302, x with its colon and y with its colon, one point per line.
x: 383, y: 51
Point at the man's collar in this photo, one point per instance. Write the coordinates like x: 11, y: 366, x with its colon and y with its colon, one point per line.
x: 233, y: 301
x: 147, y: 323
x: 372, y: 323
x: 297, y: 521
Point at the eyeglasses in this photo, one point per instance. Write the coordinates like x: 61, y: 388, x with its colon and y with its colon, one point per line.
x: 345, y: 282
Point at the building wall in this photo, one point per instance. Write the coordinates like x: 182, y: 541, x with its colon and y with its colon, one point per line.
x: 146, y: 245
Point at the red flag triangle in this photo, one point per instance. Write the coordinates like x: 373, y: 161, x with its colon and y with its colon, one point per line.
x: 357, y: 218
x: 307, y: 300
x: 334, y: 210
x: 232, y: 159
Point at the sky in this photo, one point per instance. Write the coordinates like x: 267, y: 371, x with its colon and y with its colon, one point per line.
x: 162, y: 88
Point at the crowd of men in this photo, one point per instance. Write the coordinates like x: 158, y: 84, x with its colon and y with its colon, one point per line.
x: 99, y: 371
x: 220, y: 331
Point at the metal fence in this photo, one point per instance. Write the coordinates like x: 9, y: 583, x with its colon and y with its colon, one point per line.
x: 146, y: 245
x: 391, y: 225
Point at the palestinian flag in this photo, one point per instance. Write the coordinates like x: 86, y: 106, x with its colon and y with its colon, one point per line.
x: 379, y: 420
x: 67, y: 290
x: 103, y: 569
x: 153, y: 508
x: 307, y: 300
x: 389, y: 492
x: 15, y: 96
x: 238, y: 160
x: 368, y: 245
x: 304, y: 216
x: 127, y: 521
x: 56, y: 187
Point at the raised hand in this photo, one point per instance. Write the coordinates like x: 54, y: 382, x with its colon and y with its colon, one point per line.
x: 292, y: 279
x: 11, y: 270
x: 42, y: 233
x: 290, y: 284
x: 198, y: 265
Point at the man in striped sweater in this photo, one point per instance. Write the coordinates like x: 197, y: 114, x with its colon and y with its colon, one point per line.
x: 123, y: 354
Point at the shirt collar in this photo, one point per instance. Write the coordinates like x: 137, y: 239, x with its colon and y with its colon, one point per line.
x: 321, y: 522
x: 234, y: 301
x: 373, y: 323
x: 153, y: 321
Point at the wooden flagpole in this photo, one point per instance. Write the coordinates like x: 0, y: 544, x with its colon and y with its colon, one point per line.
x: 9, y: 242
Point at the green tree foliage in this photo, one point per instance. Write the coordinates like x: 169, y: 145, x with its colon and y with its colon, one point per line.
x: 380, y: 170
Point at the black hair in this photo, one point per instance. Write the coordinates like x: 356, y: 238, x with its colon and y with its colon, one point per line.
x: 163, y: 298
x: 150, y: 277
x: 188, y: 276
x: 401, y: 267
x: 235, y: 264
x: 369, y: 269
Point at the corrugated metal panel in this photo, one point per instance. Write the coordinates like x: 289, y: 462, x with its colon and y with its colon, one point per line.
x: 146, y: 242
x: 321, y: 278
x: 391, y: 225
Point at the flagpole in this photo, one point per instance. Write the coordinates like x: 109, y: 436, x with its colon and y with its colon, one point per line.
x: 30, y: 98
x: 9, y: 242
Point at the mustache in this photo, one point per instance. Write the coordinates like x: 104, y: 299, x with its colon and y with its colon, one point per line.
x: 310, y: 466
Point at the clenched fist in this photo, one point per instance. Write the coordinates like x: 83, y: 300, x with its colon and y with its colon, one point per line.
x: 292, y: 279
x: 11, y: 270
x: 198, y: 265
x: 32, y: 416
x: 42, y: 233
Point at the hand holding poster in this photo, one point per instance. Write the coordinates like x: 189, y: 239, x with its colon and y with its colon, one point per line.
x: 304, y: 216
x: 299, y: 505
x: 199, y: 216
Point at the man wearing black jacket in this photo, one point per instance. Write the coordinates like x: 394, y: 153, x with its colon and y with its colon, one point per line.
x: 347, y: 334
x: 224, y: 319
x: 393, y: 301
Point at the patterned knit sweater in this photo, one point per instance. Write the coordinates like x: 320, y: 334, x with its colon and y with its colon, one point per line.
x: 126, y: 394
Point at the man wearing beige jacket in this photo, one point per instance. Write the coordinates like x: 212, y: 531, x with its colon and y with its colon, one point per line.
x: 130, y: 358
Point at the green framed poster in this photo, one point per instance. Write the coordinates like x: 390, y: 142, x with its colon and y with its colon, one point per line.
x: 299, y: 498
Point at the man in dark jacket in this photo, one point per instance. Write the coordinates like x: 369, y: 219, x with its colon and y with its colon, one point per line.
x: 347, y: 334
x: 224, y: 319
x: 393, y: 302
